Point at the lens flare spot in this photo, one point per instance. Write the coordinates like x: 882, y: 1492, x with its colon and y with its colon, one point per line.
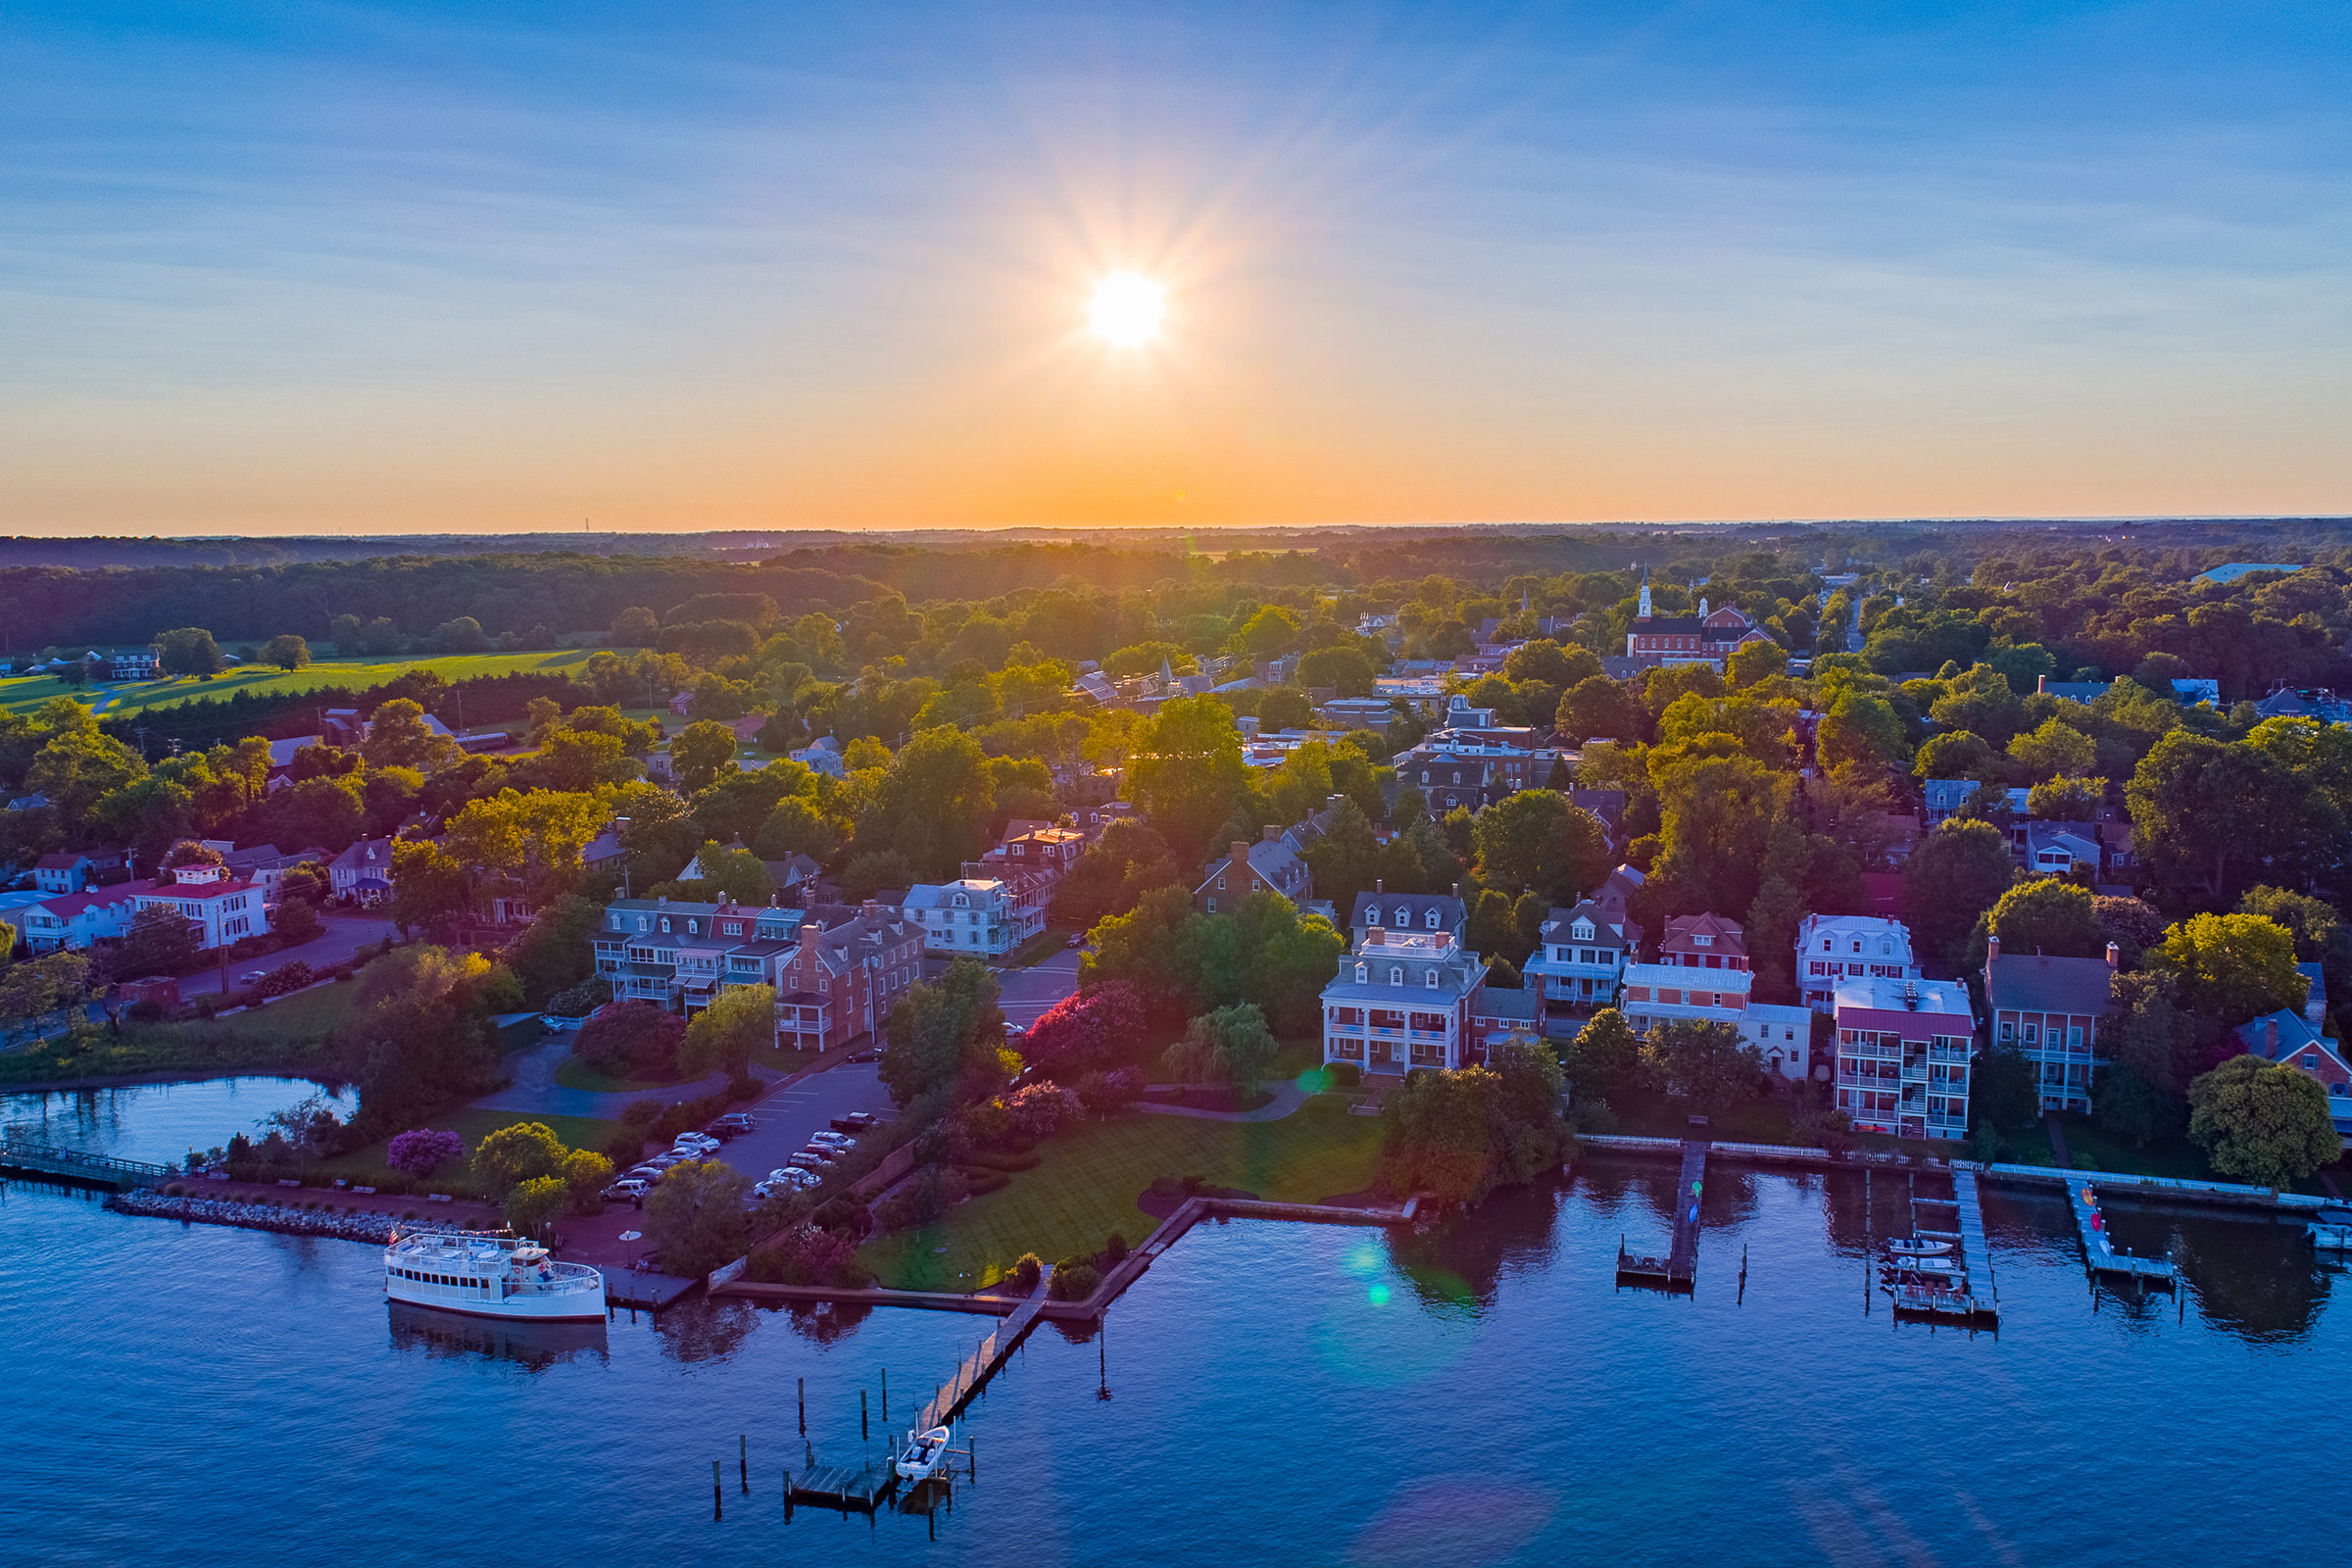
x: 1378, y: 1295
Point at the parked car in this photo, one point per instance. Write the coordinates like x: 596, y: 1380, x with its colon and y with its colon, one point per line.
x: 626, y: 1189
x: 732, y: 1124
x: 826, y: 1156
x: 690, y: 1142
x: 808, y: 1163
x: 833, y: 1140
x: 1078, y: 941
x: 866, y: 1055
x: 856, y: 1121
x: 555, y: 1023
x: 664, y: 1162
x: 253, y: 978
x: 803, y: 1178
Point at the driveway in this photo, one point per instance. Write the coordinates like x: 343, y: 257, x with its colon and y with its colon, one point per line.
x: 345, y: 935
x: 1029, y: 993
x: 782, y: 1122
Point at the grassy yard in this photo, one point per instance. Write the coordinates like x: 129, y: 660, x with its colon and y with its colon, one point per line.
x: 25, y: 695
x: 573, y: 1073
x: 2095, y: 1148
x: 1091, y: 1176
x: 287, y: 1035
x: 366, y: 1167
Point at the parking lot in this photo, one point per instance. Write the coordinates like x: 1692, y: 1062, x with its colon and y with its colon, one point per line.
x: 782, y: 1122
x: 1028, y: 993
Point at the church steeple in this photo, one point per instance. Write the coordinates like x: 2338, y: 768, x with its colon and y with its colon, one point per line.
x: 1643, y: 614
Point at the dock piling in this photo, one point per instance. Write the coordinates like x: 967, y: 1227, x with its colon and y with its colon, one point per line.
x: 863, y: 1433
x: 742, y: 1457
x: 803, y: 1387
x: 886, y: 1396
x: 718, y: 1493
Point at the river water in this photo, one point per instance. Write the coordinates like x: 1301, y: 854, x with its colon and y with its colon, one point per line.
x: 1481, y: 1394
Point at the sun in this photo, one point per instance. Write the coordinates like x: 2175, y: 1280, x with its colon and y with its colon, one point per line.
x: 1127, y: 310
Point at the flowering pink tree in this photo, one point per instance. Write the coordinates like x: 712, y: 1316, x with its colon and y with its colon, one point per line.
x: 1083, y: 1029
x: 1041, y: 1109
x: 417, y: 1152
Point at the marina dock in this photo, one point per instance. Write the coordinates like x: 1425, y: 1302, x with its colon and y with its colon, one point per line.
x: 1978, y: 1301
x: 978, y: 1367
x: 1678, y: 1270
x: 2099, y: 1256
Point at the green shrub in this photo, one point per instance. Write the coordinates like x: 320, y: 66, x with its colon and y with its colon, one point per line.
x: 1074, y: 1280
x: 1028, y: 1269
x: 1116, y: 1247
x: 1345, y: 1074
x: 1005, y: 1160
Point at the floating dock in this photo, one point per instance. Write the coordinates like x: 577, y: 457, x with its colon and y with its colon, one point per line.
x: 2099, y: 1256
x: 1678, y: 1270
x: 846, y: 1487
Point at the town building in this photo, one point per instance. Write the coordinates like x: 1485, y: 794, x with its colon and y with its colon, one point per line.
x: 971, y: 916
x: 268, y: 866
x: 225, y: 908
x: 1701, y: 973
x: 74, y: 920
x: 1402, y: 1000
x: 844, y: 974
x: 2315, y: 1000
x: 363, y: 873
x: 1270, y: 865
x: 1496, y: 1014
x: 2055, y: 849
x: 125, y: 663
x: 67, y: 872
x: 1904, y: 1048
x: 1706, y: 638
x: 2049, y: 1008
x: 1831, y: 949
x: 638, y: 944
x: 2290, y: 1038
x: 1578, y: 964
x: 1400, y: 912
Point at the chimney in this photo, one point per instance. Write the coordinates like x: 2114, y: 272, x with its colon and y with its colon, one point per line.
x: 1457, y: 891
x: 2271, y: 1030
x: 1240, y: 852
x: 1376, y: 937
x: 2115, y: 956
x: 1269, y: 833
x: 1376, y: 886
x: 1992, y: 950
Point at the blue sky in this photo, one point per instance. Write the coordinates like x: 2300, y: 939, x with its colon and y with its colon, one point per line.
x: 293, y: 268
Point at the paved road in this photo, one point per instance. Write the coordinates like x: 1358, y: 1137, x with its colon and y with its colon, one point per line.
x: 1028, y: 993
x: 782, y: 1122
x: 345, y: 935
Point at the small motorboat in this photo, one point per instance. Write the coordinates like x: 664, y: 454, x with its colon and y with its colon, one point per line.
x: 926, y: 1453
x: 1931, y: 1268
x: 2331, y: 1232
x: 1918, y: 1246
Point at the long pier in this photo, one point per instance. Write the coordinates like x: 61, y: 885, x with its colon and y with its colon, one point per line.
x: 978, y: 1367
x: 21, y: 1152
x: 1977, y: 1301
x: 1678, y: 1270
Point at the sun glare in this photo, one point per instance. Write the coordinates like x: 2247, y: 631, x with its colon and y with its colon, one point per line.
x: 1127, y: 310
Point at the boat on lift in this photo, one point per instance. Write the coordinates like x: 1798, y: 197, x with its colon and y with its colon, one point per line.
x: 1918, y: 1246
x: 926, y: 1453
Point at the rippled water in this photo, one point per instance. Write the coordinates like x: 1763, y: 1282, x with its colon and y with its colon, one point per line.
x: 1481, y: 1394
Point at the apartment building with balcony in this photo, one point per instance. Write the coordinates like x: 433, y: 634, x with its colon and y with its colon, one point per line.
x: 1402, y: 1000
x: 1904, y: 1050
x: 2050, y: 1008
x: 663, y: 950
x: 1833, y: 949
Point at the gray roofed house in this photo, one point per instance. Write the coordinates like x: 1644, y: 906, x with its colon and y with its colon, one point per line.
x: 1405, y: 911
x: 2314, y: 1001
x: 2290, y: 1039
x: 2057, y: 848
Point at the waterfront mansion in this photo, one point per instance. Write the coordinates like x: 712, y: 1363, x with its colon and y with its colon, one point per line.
x: 1402, y: 999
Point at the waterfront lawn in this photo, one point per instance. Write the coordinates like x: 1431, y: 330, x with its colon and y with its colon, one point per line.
x: 367, y: 1167
x: 289, y: 1035
x: 2085, y: 1139
x: 1087, y: 1184
x: 1648, y: 1113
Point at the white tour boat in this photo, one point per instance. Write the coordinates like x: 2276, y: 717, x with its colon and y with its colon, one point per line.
x: 486, y: 1274
x: 926, y: 1452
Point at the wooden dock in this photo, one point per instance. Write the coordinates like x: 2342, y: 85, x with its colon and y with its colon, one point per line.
x: 2099, y: 1256
x: 845, y: 1487
x: 1977, y: 1300
x: 21, y: 1151
x: 1678, y: 1270
x: 978, y: 1367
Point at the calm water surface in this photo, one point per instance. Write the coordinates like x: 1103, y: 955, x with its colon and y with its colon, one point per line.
x: 1481, y: 1394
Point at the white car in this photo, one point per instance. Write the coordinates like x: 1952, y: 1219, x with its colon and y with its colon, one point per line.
x: 833, y: 1140
x: 628, y: 1188
x: 695, y: 1144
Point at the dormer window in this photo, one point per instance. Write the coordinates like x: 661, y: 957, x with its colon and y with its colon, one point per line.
x: 1857, y: 945
x: 1430, y: 920
x: 693, y: 927
x: 1397, y: 974
x: 1885, y: 948
x: 1430, y: 979
x: 1404, y: 917
x: 1583, y: 931
x: 665, y: 924
x: 1360, y: 975
x: 1702, y: 941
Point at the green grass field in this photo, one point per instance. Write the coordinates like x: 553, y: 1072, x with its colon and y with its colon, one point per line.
x: 288, y: 1035
x: 366, y: 1167
x: 26, y: 693
x: 1091, y: 1176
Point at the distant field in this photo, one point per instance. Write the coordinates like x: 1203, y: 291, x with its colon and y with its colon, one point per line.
x: 23, y: 694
